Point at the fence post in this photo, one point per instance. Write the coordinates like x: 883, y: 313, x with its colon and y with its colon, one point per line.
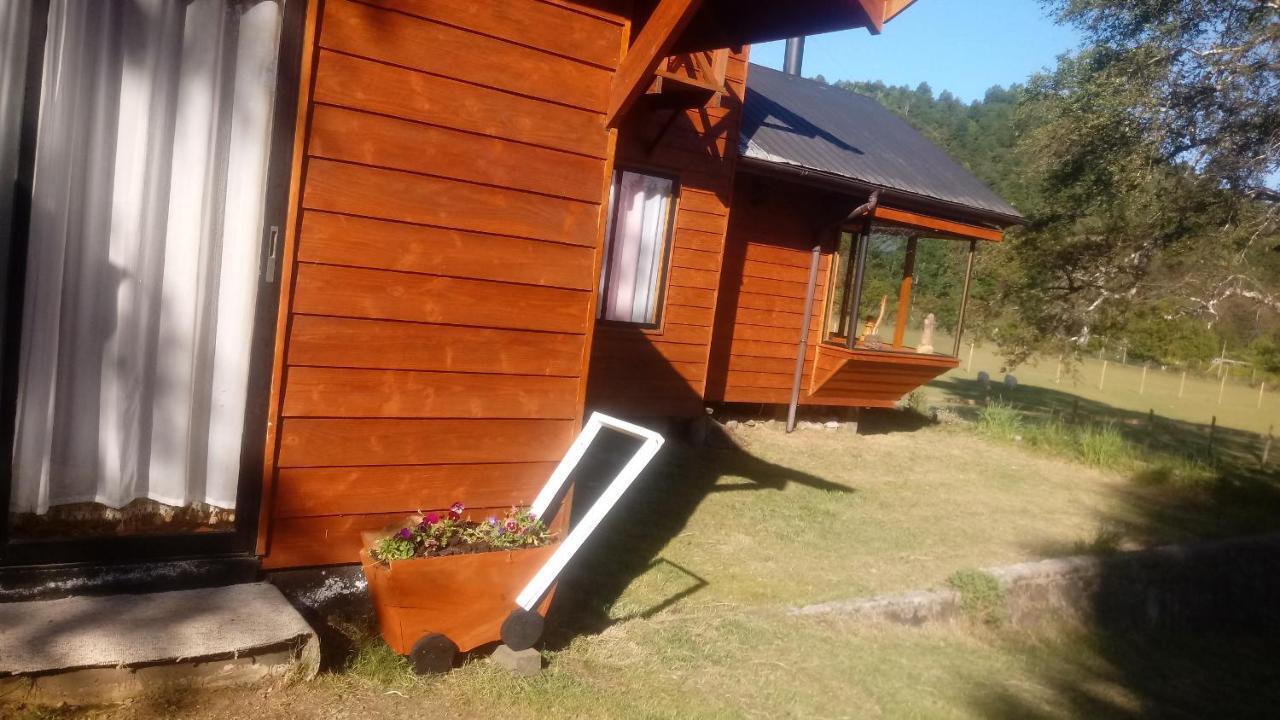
x: 1261, y: 387
x: 1058, y: 378
x: 1142, y: 386
x: 1182, y: 385
x: 1222, y: 386
x: 1103, y: 379
x: 1266, y: 449
x: 969, y: 366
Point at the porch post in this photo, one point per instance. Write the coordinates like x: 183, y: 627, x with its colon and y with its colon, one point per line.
x: 904, y: 292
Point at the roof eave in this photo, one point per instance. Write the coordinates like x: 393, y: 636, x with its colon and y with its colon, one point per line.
x: 936, y: 206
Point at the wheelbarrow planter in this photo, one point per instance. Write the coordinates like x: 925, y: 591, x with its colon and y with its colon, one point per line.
x: 431, y: 608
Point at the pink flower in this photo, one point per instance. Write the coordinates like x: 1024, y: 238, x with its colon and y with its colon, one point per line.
x: 431, y: 519
x: 512, y: 526
x: 455, y: 511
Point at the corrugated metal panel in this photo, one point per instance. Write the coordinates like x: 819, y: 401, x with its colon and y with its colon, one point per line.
x: 792, y: 121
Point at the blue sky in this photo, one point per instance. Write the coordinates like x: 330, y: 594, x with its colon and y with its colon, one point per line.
x: 951, y: 44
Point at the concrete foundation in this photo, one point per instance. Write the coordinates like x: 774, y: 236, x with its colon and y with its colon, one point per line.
x: 90, y: 650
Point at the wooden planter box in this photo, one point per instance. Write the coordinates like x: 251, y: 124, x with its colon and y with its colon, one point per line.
x: 464, y: 598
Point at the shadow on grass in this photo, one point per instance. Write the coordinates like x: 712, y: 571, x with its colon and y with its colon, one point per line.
x: 1133, y: 677
x: 1179, y: 489
x: 629, y: 541
x: 1188, y: 638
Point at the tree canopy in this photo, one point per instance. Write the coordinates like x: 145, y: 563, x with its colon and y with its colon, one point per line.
x: 1139, y: 163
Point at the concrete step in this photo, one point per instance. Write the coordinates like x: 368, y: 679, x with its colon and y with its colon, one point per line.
x: 104, y: 649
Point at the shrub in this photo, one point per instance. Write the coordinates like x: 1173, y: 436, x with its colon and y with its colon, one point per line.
x: 981, y: 597
x: 1000, y: 419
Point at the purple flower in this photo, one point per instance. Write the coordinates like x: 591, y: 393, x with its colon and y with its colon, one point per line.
x: 455, y: 511
x: 431, y: 519
x: 404, y: 534
x: 501, y: 530
x: 492, y: 520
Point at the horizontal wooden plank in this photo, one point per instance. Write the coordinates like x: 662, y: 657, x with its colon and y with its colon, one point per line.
x: 393, y: 195
x: 776, y: 303
x: 382, y: 244
x: 393, y: 295
x: 540, y: 25
x: 779, y: 255
x: 337, y: 442
x: 768, y: 318
x: 609, y: 348
x: 687, y: 277
x: 692, y: 334
x: 367, y: 85
x: 788, y: 273
x: 443, y: 50
x: 693, y: 297
x: 304, y: 542
x: 652, y: 370
x: 695, y: 259
x: 687, y: 315
x: 703, y: 201
x: 351, y: 392
x: 389, y: 345
x: 705, y: 222
x: 782, y: 288
x: 759, y: 379
x: 699, y: 240
x: 778, y: 365
x: 763, y: 348
x: 361, y: 137
x: 302, y: 492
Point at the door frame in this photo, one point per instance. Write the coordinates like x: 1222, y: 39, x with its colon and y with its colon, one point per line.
x: 237, y: 543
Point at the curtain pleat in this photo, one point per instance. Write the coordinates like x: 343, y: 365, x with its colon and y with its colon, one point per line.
x: 143, y: 254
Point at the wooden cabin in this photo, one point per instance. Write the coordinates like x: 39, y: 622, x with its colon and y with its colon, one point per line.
x: 833, y: 206
x: 277, y: 272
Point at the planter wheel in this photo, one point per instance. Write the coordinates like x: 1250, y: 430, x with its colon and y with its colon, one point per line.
x: 521, y: 629
x: 433, y: 653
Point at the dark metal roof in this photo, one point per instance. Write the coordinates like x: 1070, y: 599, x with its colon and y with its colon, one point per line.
x: 791, y: 121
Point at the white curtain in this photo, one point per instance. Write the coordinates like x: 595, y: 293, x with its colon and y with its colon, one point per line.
x: 142, y: 264
x: 637, y: 242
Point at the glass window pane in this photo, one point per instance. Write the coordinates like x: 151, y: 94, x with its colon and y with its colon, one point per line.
x: 631, y: 284
x: 142, y: 265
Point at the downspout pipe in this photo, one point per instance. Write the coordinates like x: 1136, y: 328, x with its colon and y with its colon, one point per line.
x: 797, y: 378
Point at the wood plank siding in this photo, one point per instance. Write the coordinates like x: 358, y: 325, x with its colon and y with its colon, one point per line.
x: 662, y: 371
x: 439, y: 296
x: 772, y: 232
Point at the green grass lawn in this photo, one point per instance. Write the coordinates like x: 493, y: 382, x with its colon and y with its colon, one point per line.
x: 679, y: 607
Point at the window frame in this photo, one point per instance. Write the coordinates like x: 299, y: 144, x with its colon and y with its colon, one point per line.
x: 668, y: 248
x: 239, y: 542
x: 861, y: 235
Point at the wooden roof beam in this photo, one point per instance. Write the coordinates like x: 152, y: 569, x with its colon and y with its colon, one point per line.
x: 652, y: 45
x: 880, y: 12
x: 937, y: 226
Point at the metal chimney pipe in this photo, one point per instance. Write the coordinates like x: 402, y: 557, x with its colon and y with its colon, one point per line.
x: 794, y: 57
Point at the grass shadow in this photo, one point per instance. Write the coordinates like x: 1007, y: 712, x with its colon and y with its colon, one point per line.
x: 630, y: 540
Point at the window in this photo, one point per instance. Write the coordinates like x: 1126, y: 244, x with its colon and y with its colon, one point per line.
x: 896, y: 290
x: 141, y: 259
x: 636, y: 248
